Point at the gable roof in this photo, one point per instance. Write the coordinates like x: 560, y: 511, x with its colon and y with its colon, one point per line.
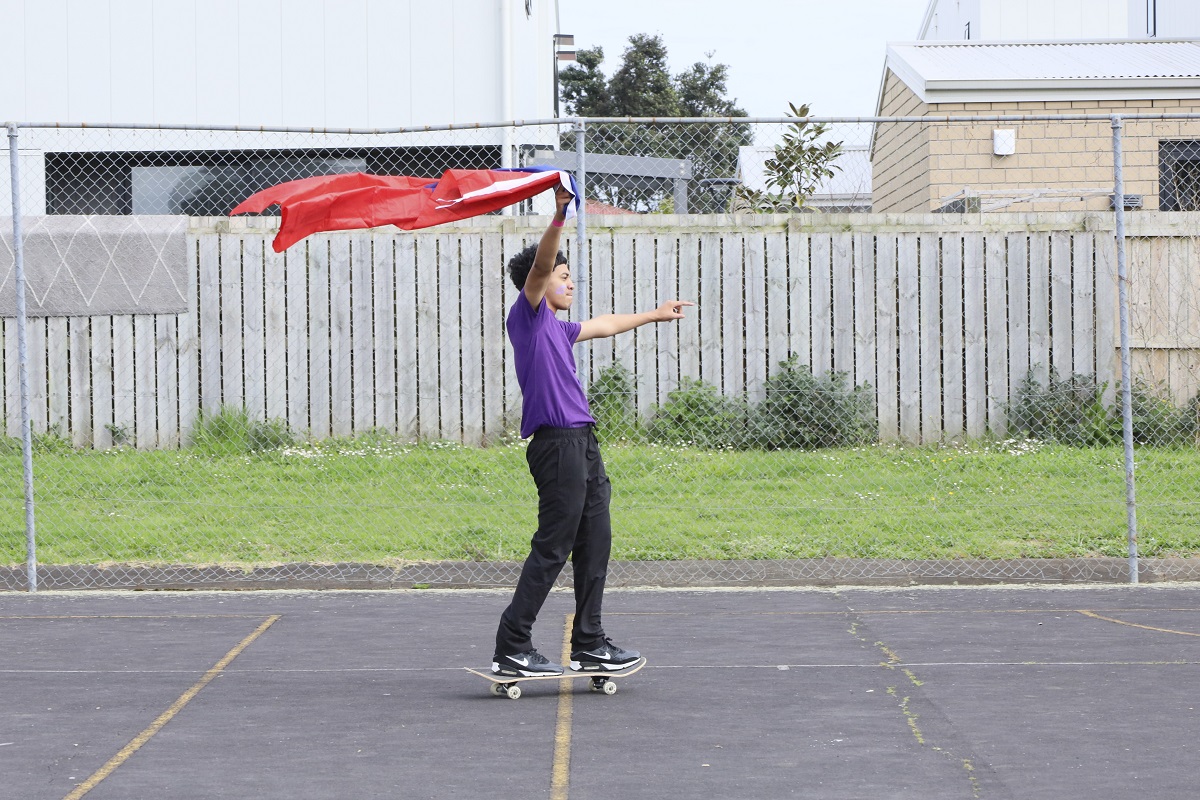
x: 972, y: 72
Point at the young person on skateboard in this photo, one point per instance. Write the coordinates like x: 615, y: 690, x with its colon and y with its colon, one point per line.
x: 563, y: 457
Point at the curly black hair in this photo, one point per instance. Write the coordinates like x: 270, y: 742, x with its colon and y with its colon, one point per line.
x: 520, y: 264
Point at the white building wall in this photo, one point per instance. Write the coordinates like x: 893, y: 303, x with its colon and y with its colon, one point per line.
x: 310, y: 63
x: 1060, y: 20
x: 1023, y: 20
x: 1178, y: 19
x: 948, y: 20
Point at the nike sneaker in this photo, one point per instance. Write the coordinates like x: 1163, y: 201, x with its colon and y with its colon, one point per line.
x: 528, y: 664
x: 604, y: 657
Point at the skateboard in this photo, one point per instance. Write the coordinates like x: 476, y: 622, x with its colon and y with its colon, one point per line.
x: 510, y: 685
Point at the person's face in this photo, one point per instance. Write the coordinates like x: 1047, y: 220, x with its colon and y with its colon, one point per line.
x: 560, y: 292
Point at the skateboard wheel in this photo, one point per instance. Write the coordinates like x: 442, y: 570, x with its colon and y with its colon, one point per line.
x: 513, y: 692
x: 610, y: 687
x: 496, y: 689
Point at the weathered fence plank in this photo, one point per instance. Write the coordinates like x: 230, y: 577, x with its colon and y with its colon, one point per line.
x: 887, y: 331
x: 405, y: 332
x: 341, y: 344
x: 254, y: 339
x: 1039, y: 308
x: 909, y: 288
x: 820, y: 267
x: 953, y: 409
x: 996, y: 324
x: 974, y: 336
x: 756, y: 317
x: 689, y: 289
x: 800, y: 296
x: 842, y: 285
x: 930, y: 282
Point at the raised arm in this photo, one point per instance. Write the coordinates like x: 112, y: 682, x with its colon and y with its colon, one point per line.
x: 611, y: 324
x: 547, y: 252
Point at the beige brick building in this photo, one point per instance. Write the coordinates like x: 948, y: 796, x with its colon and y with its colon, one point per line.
x: 1049, y: 165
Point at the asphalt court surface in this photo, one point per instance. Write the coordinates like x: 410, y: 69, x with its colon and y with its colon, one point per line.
x: 981, y: 692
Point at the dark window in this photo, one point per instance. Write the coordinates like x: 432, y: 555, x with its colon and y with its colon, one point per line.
x: 1179, y: 176
x: 211, y: 182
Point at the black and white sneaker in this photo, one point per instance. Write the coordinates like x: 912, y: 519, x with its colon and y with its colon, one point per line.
x: 529, y: 664
x: 604, y: 657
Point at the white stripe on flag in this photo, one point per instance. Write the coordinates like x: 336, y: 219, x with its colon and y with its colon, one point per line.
x: 499, y: 187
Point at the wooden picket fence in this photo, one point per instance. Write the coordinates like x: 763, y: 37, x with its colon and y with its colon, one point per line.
x: 404, y: 332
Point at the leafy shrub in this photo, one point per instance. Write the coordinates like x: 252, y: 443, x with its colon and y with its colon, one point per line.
x: 697, y: 414
x: 232, y: 431
x: 610, y: 398
x: 1072, y: 411
x: 802, y: 411
x: 1158, y: 422
x: 1064, y: 410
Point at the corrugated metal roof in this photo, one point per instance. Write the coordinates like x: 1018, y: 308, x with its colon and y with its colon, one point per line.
x: 1112, y: 70
x: 1037, y: 61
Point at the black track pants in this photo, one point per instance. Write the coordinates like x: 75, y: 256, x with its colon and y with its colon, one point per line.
x: 573, y: 498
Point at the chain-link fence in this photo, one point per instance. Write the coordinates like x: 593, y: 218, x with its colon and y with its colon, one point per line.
x: 904, y: 362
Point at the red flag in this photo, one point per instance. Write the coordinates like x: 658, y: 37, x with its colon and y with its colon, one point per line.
x: 356, y: 200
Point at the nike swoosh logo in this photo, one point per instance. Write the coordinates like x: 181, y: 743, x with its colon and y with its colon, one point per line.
x: 524, y: 662
x: 605, y: 655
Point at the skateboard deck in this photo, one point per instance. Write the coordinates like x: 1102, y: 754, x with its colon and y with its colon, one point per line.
x: 602, y: 681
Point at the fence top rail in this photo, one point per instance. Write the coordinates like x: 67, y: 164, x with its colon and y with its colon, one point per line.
x: 961, y: 117
x: 576, y: 121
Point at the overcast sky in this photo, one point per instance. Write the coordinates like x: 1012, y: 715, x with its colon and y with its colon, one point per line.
x: 827, y: 54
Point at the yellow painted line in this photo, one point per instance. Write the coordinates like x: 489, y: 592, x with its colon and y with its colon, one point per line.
x: 1094, y: 615
x: 165, y: 717
x: 560, y: 780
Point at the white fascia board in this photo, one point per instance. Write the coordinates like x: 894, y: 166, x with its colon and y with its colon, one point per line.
x: 1025, y: 94
x: 906, y: 73
x: 1148, y: 86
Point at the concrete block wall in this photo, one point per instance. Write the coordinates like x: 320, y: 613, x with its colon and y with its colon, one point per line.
x: 920, y: 167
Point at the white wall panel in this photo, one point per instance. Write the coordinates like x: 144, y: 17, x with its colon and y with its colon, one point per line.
x: 132, y: 56
x: 1178, y: 19
x: 346, y: 65
x: 88, y: 59
x: 46, y: 76
x: 12, y: 61
x: 1068, y: 16
x: 217, y: 75
x: 175, y: 75
x: 389, y: 65
x: 303, y: 48
x: 435, y: 73
x: 477, y: 92
x: 325, y: 63
x: 260, y: 59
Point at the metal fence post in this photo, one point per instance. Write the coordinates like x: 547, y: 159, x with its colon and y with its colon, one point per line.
x: 581, y: 182
x: 22, y: 357
x: 1126, y: 366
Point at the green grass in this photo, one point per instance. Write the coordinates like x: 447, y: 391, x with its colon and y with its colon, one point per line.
x: 378, y: 501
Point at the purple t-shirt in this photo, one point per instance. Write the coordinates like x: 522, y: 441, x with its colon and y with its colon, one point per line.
x: 551, y: 393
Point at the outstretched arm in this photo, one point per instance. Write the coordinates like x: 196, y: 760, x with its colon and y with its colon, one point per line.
x: 611, y: 324
x: 547, y: 252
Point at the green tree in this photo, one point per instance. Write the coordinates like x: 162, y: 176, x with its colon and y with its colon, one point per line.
x: 799, y: 164
x: 583, y: 88
x: 642, y: 86
x: 702, y: 89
